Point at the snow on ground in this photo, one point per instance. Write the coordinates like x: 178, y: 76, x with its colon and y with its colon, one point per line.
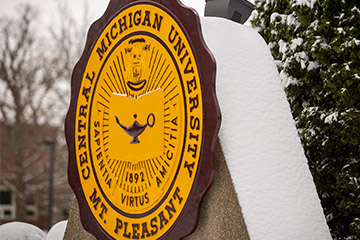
x: 260, y: 142
x: 25, y: 231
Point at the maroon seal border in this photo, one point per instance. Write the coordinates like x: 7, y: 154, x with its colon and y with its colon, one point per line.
x: 189, y: 21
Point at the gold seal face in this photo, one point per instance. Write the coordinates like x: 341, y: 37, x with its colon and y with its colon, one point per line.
x: 139, y: 124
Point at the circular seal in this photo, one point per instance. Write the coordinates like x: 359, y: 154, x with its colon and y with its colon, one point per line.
x: 138, y: 126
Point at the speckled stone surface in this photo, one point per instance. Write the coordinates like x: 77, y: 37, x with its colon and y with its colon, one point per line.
x: 220, y: 213
x: 74, y: 229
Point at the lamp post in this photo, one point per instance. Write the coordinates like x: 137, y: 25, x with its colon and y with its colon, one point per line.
x: 51, y: 145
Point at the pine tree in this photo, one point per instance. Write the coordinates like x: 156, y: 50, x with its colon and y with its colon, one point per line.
x: 317, y: 46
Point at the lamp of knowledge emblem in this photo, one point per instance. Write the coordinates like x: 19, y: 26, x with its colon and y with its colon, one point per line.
x: 142, y: 122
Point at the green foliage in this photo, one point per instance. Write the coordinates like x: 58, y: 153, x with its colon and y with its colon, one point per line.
x: 317, y: 43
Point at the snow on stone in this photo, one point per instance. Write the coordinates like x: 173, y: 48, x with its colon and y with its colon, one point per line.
x: 25, y: 231
x: 57, y: 231
x: 259, y: 139
x: 21, y: 231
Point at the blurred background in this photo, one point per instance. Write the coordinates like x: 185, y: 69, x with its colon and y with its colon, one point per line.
x: 315, y: 45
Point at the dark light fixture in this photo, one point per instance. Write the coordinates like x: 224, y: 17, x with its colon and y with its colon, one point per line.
x: 235, y: 10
